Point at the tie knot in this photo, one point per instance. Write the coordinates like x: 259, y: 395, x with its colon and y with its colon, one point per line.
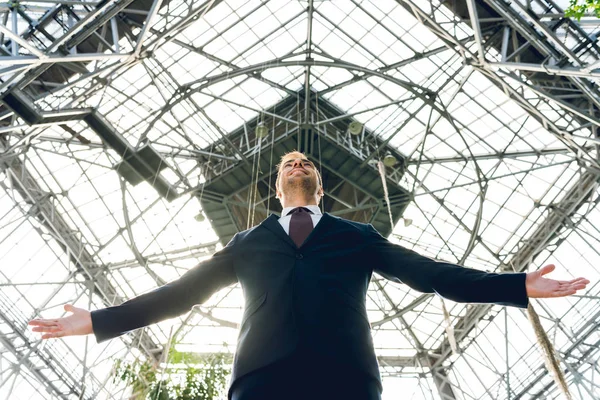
x: 300, y: 209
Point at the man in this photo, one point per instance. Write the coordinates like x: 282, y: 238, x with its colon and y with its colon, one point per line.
x: 305, y: 332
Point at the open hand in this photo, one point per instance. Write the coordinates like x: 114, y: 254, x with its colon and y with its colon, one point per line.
x: 79, y: 323
x: 539, y: 287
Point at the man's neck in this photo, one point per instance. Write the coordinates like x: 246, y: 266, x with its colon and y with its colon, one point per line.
x: 299, y: 203
x: 298, y: 199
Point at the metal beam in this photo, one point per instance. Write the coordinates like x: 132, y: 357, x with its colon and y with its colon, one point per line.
x: 50, y: 217
x: 309, y: 22
x: 454, y: 44
x: 200, y: 84
x: 513, y: 155
x: 443, y: 384
x: 568, y: 107
x: 558, y: 218
x: 583, y: 72
x: 474, y: 20
x: 529, y: 26
x: 410, y: 307
x: 58, y: 58
x: 587, y: 331
x: 23, y: 357
x: 45, y: 363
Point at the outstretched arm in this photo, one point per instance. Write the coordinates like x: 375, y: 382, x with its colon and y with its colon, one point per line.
x: 461, y: 284
x: 168, y: 301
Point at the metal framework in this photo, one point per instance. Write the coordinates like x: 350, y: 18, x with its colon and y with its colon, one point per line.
x: 130, y: 150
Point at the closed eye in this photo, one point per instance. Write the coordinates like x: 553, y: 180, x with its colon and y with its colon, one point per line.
x: 305, y: 163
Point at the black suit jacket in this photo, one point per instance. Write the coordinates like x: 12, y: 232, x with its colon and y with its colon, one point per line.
x: 312, y: 296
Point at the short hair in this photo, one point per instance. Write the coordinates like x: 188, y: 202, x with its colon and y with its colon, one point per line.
x: 281, y: 162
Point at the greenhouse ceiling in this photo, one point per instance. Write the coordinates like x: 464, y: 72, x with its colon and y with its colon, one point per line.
x: 492, y: 106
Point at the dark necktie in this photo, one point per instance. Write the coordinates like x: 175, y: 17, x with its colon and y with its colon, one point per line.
x: 300, y: 225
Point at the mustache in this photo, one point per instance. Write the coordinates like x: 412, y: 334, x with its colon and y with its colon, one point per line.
x: 297, y: 169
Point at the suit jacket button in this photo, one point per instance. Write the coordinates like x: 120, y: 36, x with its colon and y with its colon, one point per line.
x: 299, y: 256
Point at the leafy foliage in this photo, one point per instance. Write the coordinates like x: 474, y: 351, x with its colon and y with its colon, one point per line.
x: 578, y: 8
x: 200, y: 378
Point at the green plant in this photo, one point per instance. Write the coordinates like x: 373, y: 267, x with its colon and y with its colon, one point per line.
x: 187, y: 376
x: 578, y: 8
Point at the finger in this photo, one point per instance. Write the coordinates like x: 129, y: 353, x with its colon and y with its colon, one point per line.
x: 53, y: 335
x: 578, y: 287
x: 573, y: 284
x: 572, y: 287
x: 46, y: 329
x: 580, y: 280
x: 577, y: 280
x: 547, y: 269
x: 43, y: 322
x: 571, y: 281
x: 563, y: 293
x: 564, y: 284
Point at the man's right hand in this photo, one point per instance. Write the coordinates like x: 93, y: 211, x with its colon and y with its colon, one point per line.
x: 79, y: 323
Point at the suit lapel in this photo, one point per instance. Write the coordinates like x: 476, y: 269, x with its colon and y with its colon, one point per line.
x: 321, y: 227
x: 272, y: 224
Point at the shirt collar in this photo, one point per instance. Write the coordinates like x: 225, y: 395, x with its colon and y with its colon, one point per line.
x: 315, y: 210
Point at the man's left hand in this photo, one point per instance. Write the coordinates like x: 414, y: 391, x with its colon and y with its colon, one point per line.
x: 539, y: 287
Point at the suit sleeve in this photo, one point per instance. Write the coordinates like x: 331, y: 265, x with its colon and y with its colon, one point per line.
x: 451, y: 281
x: 170, y: 300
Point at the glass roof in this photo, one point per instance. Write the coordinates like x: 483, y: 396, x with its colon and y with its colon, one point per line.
x: 490, y: 160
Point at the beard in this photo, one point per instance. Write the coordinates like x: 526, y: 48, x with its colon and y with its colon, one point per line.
x: 305, y: 186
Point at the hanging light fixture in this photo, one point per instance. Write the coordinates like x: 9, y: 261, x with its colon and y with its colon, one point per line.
x: 261, y: 130
x: 355, y: 128
x: 407, y: 222
x: 389, y: 160
x: 200, y: 217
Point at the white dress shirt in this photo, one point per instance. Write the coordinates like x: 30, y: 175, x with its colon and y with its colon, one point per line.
x: 285, y: 218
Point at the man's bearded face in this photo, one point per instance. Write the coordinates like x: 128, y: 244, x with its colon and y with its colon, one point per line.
x: 298, y: 175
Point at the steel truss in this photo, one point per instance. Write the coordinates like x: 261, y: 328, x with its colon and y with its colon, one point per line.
x: 72, y: 52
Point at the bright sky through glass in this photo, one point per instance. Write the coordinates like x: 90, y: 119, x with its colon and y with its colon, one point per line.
x: 378, y: 35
